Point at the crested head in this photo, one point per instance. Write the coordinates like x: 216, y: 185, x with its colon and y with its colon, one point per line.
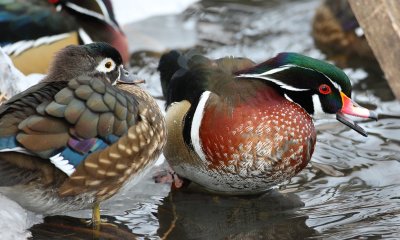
x: 329, y: 70
x: 322, y: 89
x: 89, y: 59
x: 291, y: 61
x: 101, y: 10
x: 314, y: 84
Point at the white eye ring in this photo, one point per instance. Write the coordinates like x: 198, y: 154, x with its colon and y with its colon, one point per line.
x: 106, y: 65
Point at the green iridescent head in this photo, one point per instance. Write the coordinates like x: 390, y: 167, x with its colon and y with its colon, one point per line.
x: 319, y: 87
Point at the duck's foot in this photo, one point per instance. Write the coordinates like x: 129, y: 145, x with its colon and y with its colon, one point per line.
x: 169, y: 176
x: 96, y: 220
x: 97, y: 224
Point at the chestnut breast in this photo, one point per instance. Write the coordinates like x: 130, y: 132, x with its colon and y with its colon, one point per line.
x: 261, y: 131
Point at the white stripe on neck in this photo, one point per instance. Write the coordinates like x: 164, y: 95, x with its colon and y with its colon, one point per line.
x: 318, y: 111
x: 196, y: 122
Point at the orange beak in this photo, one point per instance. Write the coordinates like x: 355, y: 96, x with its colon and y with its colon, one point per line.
x: 351, y: 108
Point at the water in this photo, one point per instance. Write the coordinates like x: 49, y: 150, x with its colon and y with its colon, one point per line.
x: 350, y: 190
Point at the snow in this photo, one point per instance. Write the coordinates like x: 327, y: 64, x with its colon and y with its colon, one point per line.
x: 14, y: 220
x: 12, y: 81
x: 127, y: 11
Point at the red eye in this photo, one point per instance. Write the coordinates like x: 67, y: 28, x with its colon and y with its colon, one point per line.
x: 324, y: 89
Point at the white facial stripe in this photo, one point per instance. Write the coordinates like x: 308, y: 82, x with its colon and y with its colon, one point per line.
x: 283, y: 85
x: 102, y: 65
x: 195, y: 130
x: 105, y: 17
x: 103, y: 9
x: 279, y: 69
x: 277, y: 82
x: 335, y: 84
x: 265, y: 76
x: 270, y: 72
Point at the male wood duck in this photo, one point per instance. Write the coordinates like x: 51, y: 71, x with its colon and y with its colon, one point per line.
x: 33, y: 31
x: 236, y: 127
x: 74, y: 139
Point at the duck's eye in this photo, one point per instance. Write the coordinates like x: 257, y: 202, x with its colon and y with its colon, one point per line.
x: 324, y: 89
x: 108, y: 64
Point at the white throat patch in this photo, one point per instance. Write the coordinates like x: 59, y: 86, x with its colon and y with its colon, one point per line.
x: 318, y: 111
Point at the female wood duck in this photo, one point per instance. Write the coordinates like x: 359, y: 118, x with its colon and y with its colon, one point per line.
x: 74, y: 139
x: 33, y: 31
x: 236, y: 127
x: 337, y: 33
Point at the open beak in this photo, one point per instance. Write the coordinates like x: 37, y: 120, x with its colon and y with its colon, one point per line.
x: 353, y: 109
x: 127, y: 77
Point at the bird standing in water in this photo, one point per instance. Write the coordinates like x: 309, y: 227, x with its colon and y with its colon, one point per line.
x: 236, y: 127
x: 75, y: 138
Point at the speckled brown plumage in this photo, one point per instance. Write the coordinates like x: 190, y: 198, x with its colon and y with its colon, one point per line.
x: 76, y: 138
x: 109, y: 169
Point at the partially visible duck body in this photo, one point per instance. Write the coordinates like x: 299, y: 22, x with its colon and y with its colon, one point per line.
x: 74, y: 139
x: 33, y: 31
x: 236, y: 127
x: 338, y: 34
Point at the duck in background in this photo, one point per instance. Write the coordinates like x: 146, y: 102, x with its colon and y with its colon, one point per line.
x: 74, y: 139
x: 337, y: 33
x: 236, y: 127
x: 33, y: 31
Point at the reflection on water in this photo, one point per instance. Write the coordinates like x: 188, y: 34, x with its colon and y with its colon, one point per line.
x: 351, y: 189
x: 64, y: 227
x: 202, y: 216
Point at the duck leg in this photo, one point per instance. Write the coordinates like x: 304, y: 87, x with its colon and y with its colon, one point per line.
x: 96, y: 220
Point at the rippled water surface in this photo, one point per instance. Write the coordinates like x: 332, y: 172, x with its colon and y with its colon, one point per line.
x: 351, y: 188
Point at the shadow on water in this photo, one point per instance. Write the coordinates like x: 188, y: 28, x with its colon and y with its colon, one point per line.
x: 185, y: 215
x: 349, y: 190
